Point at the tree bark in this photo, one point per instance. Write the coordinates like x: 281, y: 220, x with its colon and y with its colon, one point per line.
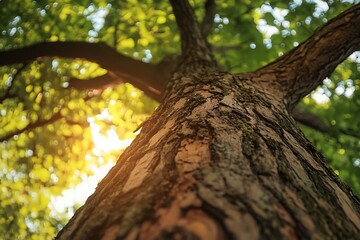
x: 303, y: 69
x: 221, y: 158
x: 218, y: 160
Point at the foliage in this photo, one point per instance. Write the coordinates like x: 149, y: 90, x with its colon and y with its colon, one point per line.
x: 341, y: 146
x: 56, y: 150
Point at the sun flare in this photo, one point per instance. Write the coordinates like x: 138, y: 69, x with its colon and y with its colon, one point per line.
x: 107, y: 143
x: 104, y: 143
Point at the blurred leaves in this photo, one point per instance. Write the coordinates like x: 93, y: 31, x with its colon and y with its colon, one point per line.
x: 340, y: 110
x: 54, y: 146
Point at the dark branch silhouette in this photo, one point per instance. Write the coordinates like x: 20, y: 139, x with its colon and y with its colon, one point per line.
x: 33, y: 125
x: 144, y: 76
x: 309, y: 119
x: 8, y: 93
x: 100, y: 83
x: 208, y: 20
x: 194, y: 46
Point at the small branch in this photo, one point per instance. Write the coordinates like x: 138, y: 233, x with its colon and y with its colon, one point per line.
x: 41, y: 122
x: 142, y: 75
x: 350, y: 132
x: 57, y: 116
x: 30, y: 126
x: 223, y: 49
x: 208, y: 20
x: 99, y: 83
x: 116, y: 37
x: 193, y: 45
x: 311, y: 120
x: 303, y: 69
x: 7, y: 92
x: 110, y: 79
x: 150, y: 90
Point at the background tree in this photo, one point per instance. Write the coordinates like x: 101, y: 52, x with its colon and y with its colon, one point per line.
x: 47, y: 109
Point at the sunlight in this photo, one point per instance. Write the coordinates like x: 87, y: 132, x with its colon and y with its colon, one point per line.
x: 319, y: 96
x: 104, y: 144
x: 78, y: 194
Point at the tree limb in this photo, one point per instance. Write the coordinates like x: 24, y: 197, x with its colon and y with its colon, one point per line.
x: 142, y: 75
x: 99, y: 83
x: 302, y: 69
x: 208, y: 20
x: 41, y: 122
x: 8, y: 93
x: 311, y: 120
x: 223, y: 49
x: 193, y: 45
x: 33, y: 125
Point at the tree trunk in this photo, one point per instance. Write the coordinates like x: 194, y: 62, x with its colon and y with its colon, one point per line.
x: 219, y: 159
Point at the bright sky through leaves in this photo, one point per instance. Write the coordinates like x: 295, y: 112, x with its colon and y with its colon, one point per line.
x: 104, y: 144
x: 36, y: 165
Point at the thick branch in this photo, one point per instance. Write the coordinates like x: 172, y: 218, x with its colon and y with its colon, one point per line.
x: 309, y: 119
x: 208, y: 20
x: 193, y: 45
x: 142, y: 75
x: 110, y: 79
x: 301, y: 70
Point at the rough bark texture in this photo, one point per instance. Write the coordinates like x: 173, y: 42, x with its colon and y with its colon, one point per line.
x: 221, y: 158
x: 304, y: 68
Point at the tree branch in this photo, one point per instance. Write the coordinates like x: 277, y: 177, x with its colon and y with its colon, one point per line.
x: 7, y: 91
x: 223, y: 49
x: 301, y: 70
x: 208, y: 20
x: 99, y: 83
x: 30, y: 126
x: 41, y: 122
x: 311, y: 120
x: 142, y: 75
x: 193, y: 45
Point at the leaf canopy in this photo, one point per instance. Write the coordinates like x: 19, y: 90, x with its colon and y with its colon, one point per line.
x: 46, y: 128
